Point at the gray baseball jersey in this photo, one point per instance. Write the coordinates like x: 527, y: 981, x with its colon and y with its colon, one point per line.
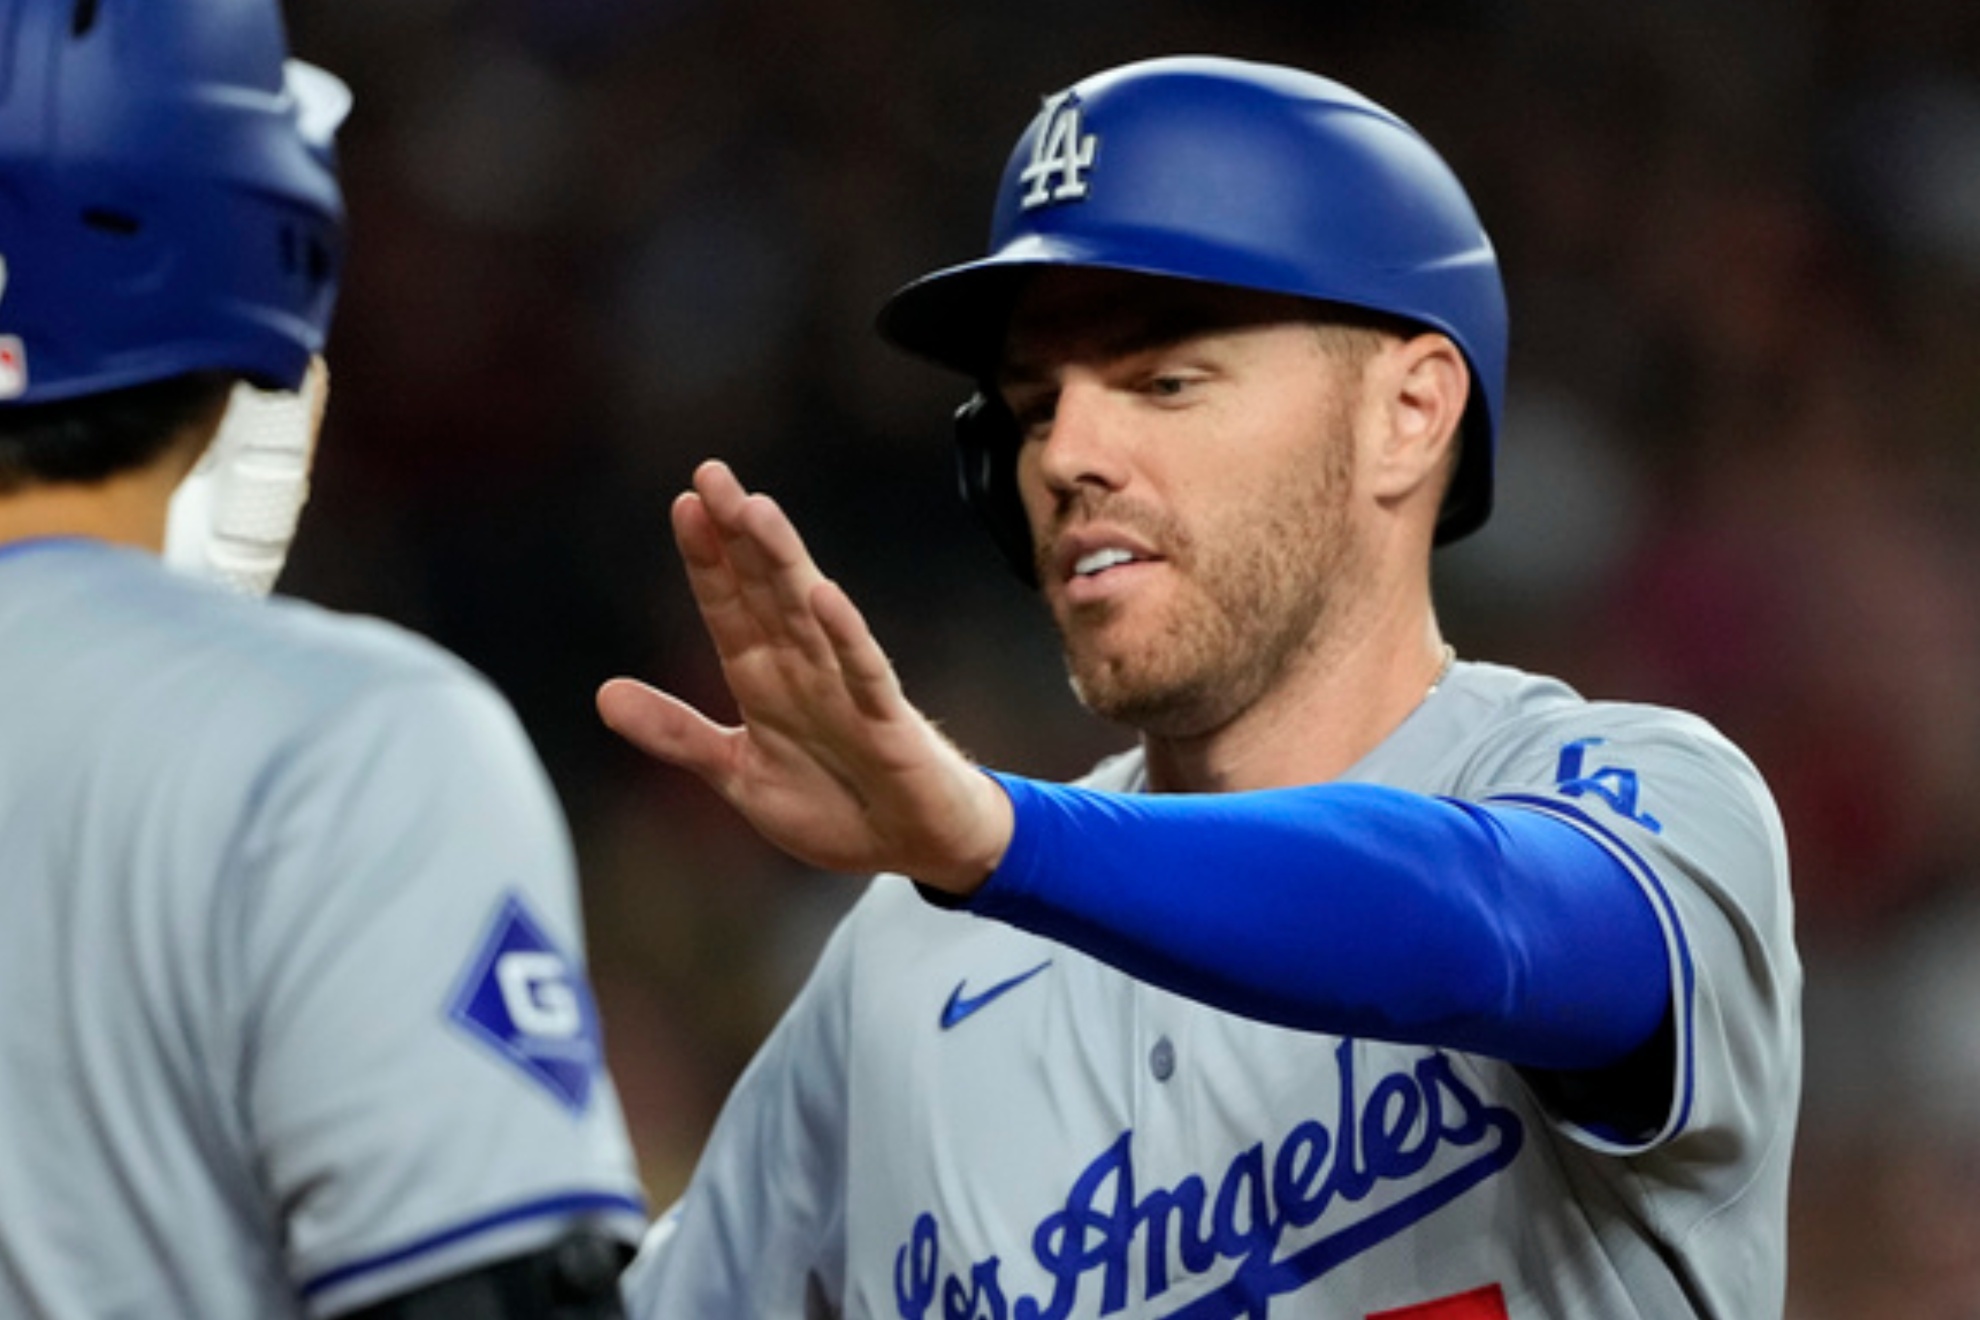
x: 959, y: 1119
x: 295, y: 1007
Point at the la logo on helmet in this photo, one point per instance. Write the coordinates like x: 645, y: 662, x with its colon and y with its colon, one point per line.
x: 1061, y: 150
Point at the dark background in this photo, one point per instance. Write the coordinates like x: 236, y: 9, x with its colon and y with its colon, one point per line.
x: 598, y: 240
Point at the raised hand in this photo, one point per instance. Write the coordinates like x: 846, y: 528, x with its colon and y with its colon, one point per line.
x: 830, y: 762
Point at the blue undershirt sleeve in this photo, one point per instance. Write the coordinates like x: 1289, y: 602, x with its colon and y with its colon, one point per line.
x: 1352, y: 909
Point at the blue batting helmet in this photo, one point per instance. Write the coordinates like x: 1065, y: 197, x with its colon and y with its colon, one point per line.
x: 1232, y: 173
x: 168, y: 195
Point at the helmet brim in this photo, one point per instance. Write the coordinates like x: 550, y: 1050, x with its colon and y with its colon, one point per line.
x: 957, y: 317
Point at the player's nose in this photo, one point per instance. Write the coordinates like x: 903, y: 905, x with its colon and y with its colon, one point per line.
x: 1084, y: 442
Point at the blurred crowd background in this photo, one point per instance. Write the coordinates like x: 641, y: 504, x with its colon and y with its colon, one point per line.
x: 596, y: 241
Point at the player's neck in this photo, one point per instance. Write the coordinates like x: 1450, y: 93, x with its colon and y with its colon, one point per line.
x: 127, y: 509
x: 1319, y: 722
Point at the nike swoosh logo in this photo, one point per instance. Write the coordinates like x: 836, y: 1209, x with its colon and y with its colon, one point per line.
x: 961, y: 1006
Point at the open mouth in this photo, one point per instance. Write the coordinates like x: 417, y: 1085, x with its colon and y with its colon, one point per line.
x: 1093, y: 572
x: 1095, y: 562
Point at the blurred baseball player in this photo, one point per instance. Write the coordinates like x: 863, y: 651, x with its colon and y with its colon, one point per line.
x: 295, y: 1016
x: 1372, y: 984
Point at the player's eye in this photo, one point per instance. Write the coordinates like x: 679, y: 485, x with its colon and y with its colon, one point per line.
x: 1034, y: 413
x: 1167, y: 386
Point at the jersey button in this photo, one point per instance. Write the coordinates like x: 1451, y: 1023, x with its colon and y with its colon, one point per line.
x: 1162, y: 1060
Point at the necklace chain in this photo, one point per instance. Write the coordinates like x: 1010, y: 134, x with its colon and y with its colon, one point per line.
x: 1443, y: 671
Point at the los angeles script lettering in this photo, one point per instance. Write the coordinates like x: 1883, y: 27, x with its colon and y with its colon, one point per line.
x: 1392, y: 1134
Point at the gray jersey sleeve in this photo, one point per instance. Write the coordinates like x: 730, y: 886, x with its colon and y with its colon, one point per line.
x: 760, y: 1230
x: 1689, y: 816
x: 421, y: 1075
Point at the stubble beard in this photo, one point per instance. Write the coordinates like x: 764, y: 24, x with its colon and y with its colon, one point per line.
x: 1254, y: 595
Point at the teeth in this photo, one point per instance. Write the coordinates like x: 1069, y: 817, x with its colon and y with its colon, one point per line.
x: 1099, y: 561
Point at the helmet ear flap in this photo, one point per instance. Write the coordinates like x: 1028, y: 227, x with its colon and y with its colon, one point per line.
x: 986, y: 464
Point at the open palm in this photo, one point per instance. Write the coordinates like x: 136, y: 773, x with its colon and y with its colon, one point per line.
x: 830, y: 761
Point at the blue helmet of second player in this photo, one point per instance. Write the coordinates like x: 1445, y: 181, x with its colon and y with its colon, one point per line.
x: 1233, y: 173
x: 168, y: 196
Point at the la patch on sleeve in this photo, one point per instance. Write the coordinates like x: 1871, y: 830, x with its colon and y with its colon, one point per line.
x: 524, y: 999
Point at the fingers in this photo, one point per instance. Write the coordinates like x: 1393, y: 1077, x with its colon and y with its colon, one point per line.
x: 828, y: 761
x: 774, y: 571
x: 667, y: 728
x: 711, y: 579
x: 749, y: 567
x: 796, y: 653
x: 869, y: 676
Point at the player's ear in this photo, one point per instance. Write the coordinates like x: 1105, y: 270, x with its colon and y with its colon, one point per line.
x: 1419, y: 385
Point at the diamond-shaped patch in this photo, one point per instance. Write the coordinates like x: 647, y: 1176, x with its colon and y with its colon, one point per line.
x: 526, y: 1000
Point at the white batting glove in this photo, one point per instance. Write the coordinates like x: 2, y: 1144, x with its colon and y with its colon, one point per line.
x: 232, y: 519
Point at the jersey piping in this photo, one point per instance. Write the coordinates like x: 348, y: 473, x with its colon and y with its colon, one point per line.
x: 573, y: 1203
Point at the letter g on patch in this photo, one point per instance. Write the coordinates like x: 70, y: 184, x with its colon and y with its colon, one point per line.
x: 526, y: 1000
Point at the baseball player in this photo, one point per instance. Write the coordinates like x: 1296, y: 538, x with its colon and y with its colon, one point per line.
x: 293, y: 1013
x: 1372, y: 983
